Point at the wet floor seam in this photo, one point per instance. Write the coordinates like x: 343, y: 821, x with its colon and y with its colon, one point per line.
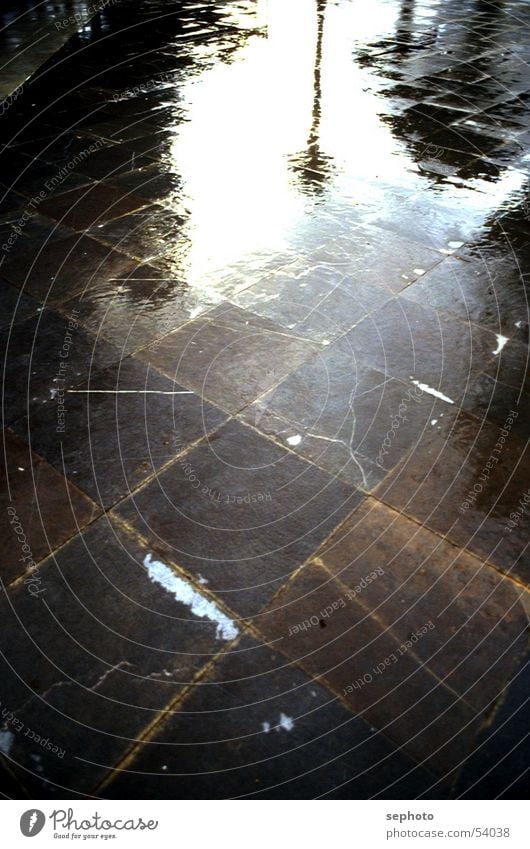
x: 152, y: 728
x: 518, y: 583
x: 388, y: 629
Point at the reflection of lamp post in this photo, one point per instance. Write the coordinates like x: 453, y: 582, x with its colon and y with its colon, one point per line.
x: 312, y: 166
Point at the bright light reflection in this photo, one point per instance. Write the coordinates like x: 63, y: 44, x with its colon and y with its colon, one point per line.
x: 248, y: 120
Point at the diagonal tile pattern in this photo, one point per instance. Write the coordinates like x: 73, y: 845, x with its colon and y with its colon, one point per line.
x: 265, y: 402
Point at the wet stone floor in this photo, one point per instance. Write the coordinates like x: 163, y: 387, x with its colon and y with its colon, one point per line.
x: 264, y: 278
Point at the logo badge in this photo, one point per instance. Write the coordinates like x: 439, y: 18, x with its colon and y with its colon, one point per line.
x: 32, y: 822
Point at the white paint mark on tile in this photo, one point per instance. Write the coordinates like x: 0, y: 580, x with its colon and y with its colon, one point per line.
x: 501, y: 342
x: 184, y: 592
x: 430, y: 391
x: 202, y: 580
x: 434, y: 421
x: 294, y: 440
x: 6, y: 741
x: 124, y: 392
x: 455, y: 245
x: 519, y: 324
x: 266, y: 727
x: 21, y: 468
x: 285, y: 722
x: 418, y: 271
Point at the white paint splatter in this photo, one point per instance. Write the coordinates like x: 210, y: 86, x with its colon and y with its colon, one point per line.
x: 6, y: 741
x: 518, y: 324
x: 184, y: 592
x: 501, y: 342
x: 430, y: 391
x: 294, y: 440
x: 418, y: 271
x: 21, y: 468
x: 434, y: 421
x: 124, y: 392
x: 285, y: 722
x: 455, y: 245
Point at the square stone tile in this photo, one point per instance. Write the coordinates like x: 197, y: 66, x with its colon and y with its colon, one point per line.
x: 349, y: 419
x: 143, y: 235
x: 414, y: 342
x: 111, y: 161
x: 230, y: 357
x: 90, y: 661
x: 118, y: 427
x: 498, y: 767
x: 12, y: 204
x: 510, y: 366
x: 318, y: 302
x: 378, y: 257
x: 239, y: 513
x: 134, y: 312
x: 14, y: 306
x: 341, y: 644
x: 85, y: 207
x: 405, y: 574
x: 56, y: 269
x: 31, y: 176
x: 44, y: 507
x: 447, y: 484
x: 488, y: 398
x: 260, y: 728
x: 43, y: 355
x: 156, y: 183
x: 491, y: 295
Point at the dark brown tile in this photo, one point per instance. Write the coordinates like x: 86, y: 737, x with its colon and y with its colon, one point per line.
x: 118, y: 426
x: 44, y: 507
x: 145, y: 234
x: 110, y: 161
x: 404, y: 574
x: 57, y: 269
x: 498, y: 767
x: 382, y: 679
x: 14, y: 305
x: 467, y: 480
x: 156, y: 183
x: 86, y: 207
x: 91, y: 660
x: 271, y: 733
x: 230, y: 357
x: 44, y: 355
x: 239, y: 513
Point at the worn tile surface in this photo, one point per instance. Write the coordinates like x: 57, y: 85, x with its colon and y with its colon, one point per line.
x: 265, y: 399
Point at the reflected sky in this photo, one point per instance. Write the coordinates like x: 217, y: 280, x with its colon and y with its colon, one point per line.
x: 241, y: 126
